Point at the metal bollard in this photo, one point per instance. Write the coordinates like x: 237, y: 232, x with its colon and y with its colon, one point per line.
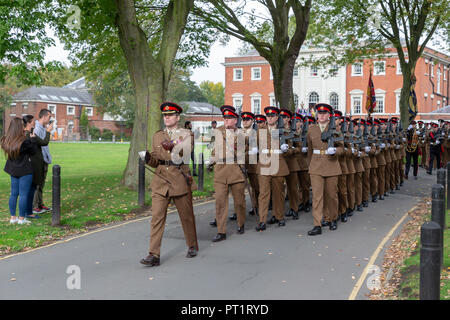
x: 441, y: 177
x: 430, y: 268
x: 201, y: 173
x: 56, y: 195
x: 141, y: 186
x: 448, y: 185
x: 438, y: 210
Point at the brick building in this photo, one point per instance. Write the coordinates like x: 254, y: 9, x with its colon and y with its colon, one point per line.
x: 66, y: 105
x: 249, y: 81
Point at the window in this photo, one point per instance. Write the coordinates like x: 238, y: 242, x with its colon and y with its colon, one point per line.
x: 295, y: 71
x: 399, y: 68
x: 89, y: 111
x: 432, y: 69
x: 256, y: 105
x: 438, y: 80
x: 296, y: 101
x: 272, y: 99
x: 70, y: 110
x: 380, y: 104
x: 52, y: 108
x: 379, y: 68
x: 70, y: 127
x: 334, y: 100
x: 314, y: 72
x: 238, y: 99
x: 334, y: 71
x: 356, y: 104
x: 237, y: 74
x: 25, y: 105
x: 357, y: 69
x: 256, y: 73
x: 313, y: 98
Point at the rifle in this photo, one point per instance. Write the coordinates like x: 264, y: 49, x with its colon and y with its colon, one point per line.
x: 247, y: 186
x: 330, y: 134
x: 304, y: 133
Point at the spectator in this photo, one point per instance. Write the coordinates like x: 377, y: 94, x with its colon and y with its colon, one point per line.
x: 41, y: 164
x: 18, y: 149
x: 37, y: 161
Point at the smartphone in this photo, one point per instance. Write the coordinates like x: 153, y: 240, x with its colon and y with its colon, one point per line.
x: 51, y: 121
x: 32, y: 129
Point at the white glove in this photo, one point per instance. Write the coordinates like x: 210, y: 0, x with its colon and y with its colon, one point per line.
x: 417, y: 132
x: 437, y: 142
x: 353, y: 150
x: 367, y: 149
x: 389, y: 145
x: 449, y: 137
x: 254, y: 150
x: 410, y: 127
x: 284, y: 147
x: 265, y: 151
x: 382, y: 146
x: 304, y: 149
x: 404, y: 139
x: 397, y: 147
x: 359, y: 154
x: 331, y: 150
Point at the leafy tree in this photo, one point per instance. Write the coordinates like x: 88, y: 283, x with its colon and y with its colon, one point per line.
x: 148, y: 38
x: 182, y: 88
x: 352, y: 30
x: 268, y: 35
x: 214, y: 92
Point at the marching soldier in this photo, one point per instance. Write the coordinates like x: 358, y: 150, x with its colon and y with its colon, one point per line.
x: 324, y: 170
x: 373, y: 155
x: 368, y: 152
x: 228, y: 173
x: 342, y: 179
x: 435, y: 148
x: 359, y: 168
x: 271, y: 175
x: 350, y: 154
x: 302, y: 157
x: 381, y: 161
x: 247, y: 124
x: 292, y: 162
x: 412, y: 149
x: 172, y: 181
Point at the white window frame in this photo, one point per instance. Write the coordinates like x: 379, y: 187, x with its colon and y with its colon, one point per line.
x: 334, y: 71
x: 271, y: 74
x: 329, y: 97
x: 380, y: 95
x: 253, y: 73
x: 399, y: 69
x: 272, y: 99
x: 295, y: 73
x: 238, y: 97
x: 255, y: 97
x: 234, y: 74
x: 25, y: 105
x: 356, y: 93
x: 375, y: 71
x: 438, y: 80
x: 314, y: 71
x: 397, y: 100
x: 432, y: 69
x: 90, y: 110
x: 70, y: 113
x: 354, y: 74
x: 50, y: 106
x: 296, y: 101
x: 309, y: 97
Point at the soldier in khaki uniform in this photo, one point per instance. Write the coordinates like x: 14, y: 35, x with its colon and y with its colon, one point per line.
x: 324, y: 170
x: 172, y: 181
x: 359, y: 168
x: 368, y: 152
x: 272, y: 170
x: 373, y: 155
x: 291, y: 159
x: 248, y: 119
x: 302, y: 157
x: 342, y: 179
x: 228, y: 172
x: 350, y: 152
x: 381, y: 169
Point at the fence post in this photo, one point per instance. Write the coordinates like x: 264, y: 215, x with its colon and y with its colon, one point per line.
x: 200, y: 173
x: 430, y: 254
x: 56, y: 195
x: 438, y: 210
x: 141, y: 186
x: 448, y: 185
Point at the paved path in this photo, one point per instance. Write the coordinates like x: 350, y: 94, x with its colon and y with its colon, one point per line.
x: 279, y: 263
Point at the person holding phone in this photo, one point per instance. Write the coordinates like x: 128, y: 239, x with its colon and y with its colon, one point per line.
x: 43, y: 127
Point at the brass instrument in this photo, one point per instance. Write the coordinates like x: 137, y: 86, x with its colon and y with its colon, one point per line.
x: 413, y: 142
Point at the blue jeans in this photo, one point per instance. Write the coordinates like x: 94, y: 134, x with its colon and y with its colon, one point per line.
x: 20, y: 187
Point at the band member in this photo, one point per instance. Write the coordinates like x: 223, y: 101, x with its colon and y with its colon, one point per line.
x: 435, y: 148
x: 324, y: 170
x: 292, y: 162
x: 271, y: 175
x: 228, y: 172
x: 172, y: 181
x: 422, y: 144
x: 412, y: 149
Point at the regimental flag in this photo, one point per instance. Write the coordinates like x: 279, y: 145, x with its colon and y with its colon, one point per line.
x: 371, y: 102
x: 412, y: 102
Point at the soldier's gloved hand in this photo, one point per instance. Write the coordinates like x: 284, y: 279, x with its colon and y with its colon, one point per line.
x: 404, y: 139
x: 388, y: 145
x: 410, y: 127
x: 167, y: 145
x: 284, y: 147
x: 147, y: 156
x: 397, y: 147
x: 367, y: 149
x: 359, y: 154
x: 382, y: 146
x: 304, y: 149
x: 254, y: 150
x: 417, y: 132
x: 354, y: 150
x: 437, y: 142
x: 331, y: 150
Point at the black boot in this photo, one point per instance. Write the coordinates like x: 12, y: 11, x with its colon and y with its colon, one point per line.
x: 261, y: 226
x: 315, y: 231
x: 289, y: 213
x: 381, y: 197
x: 253, y: 211
x: 365, y: 204
x: 301, y: 207
x: 397, y: 187
x: 219, y: 237
x: 392, y: 192
x: 241, y: 230
x: 374, y: 197
x: 333, y: 225
x: 282, y: 223
x: 272, y: 220
x: 307, y: 207
x: 359, y: 208
x: 295, y: 215
x: 344, y: 217
x: 233, y: 216
x: 213, y: 223
x: 325, y: 223
x: 350, y: 212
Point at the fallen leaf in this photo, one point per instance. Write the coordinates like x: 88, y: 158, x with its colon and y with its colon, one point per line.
x: 12, y: 279
x: 353, y: 277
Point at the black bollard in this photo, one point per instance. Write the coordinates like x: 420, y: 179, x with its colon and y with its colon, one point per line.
x: 448, y: 185
x: 201, y: 173
x: 441, y: 177
x: 438, y: 209
x: 430, y: 254
x: 56, y: 195
x: 141, y: 186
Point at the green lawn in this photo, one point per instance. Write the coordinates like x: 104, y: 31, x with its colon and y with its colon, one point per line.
x: 90, y: 194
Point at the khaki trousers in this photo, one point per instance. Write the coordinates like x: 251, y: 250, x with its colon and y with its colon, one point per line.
x: 292, y: 190
x: 253, y: 178
x: 268, y: 185
x: 304, y: 182
x: 221, y: 196
x: 325, y: 198
x: 343, y: 193
x: 381, y: 179
x: 373, y: 181
x: 351, y: 190
x: 366, y: 185
x: 159, y: 213
x: 358, y: 188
